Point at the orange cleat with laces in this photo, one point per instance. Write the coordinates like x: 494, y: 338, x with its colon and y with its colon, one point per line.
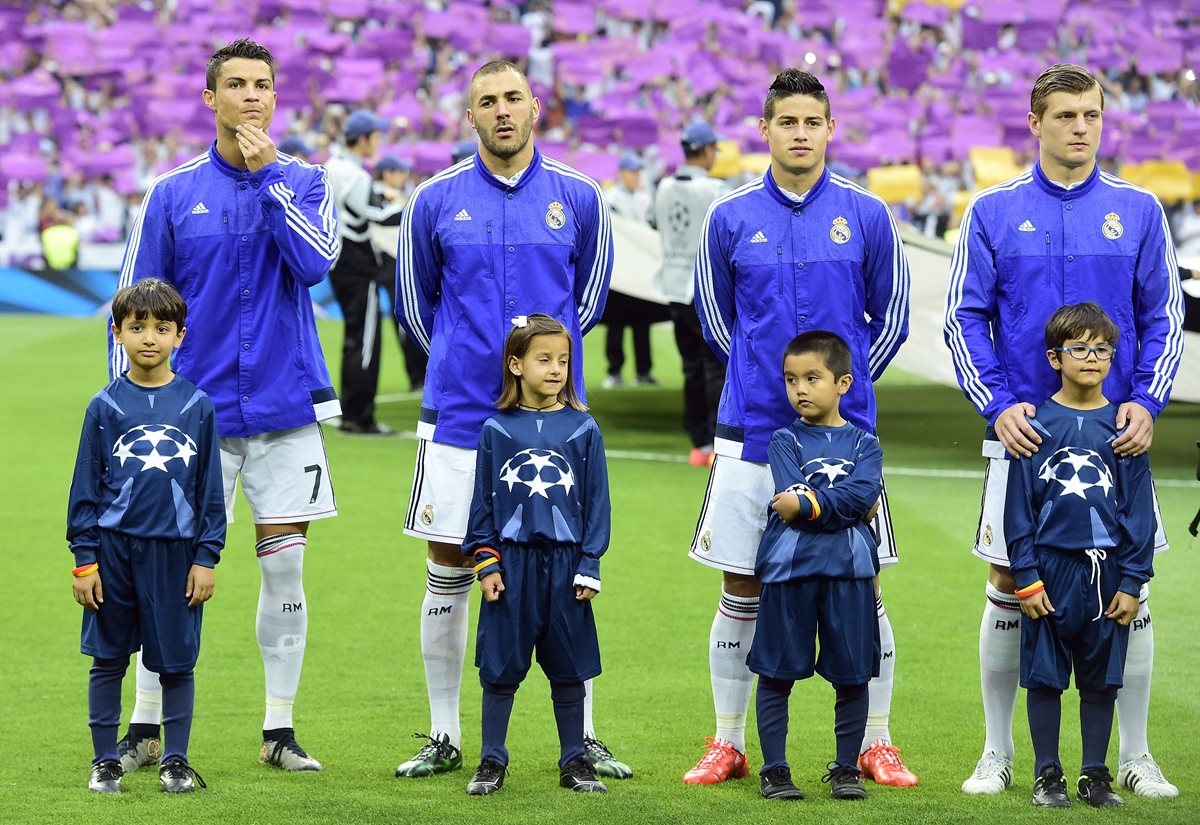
x: 881, y: 763
x: 722, y: 761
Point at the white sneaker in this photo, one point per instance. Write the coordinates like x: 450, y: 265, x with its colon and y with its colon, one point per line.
x: 1143, y: 776
x: 992, y: 774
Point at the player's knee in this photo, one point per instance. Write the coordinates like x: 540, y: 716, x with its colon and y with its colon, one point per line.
x: 745, y: 587
x: 1105, y: 696
x: 448, y: 555
x: 1001, y: 579
x: 497, y: 689
x: 566, y: 693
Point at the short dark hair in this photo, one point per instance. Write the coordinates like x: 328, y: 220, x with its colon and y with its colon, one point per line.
x: 829, y: 345
x: 1061, y: 77
x: 519, y: 340
x: 791, y: 82
x: 149, y: 297
x: 496, y: 67
x: 244, y: 48
x: 1077, y: 321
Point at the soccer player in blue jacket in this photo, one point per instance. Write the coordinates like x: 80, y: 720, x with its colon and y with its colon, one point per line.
x: 539, y: 525
x: 796, y: 249
x: 1061, y: 233
x: 503, y: 232
x: 1079, y: 520
x: 243, y: 231
x: 146, y: 523
x: 817, y: 562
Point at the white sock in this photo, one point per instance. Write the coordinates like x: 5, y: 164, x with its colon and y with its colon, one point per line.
x: 879, y: 689
x: 1133, y: 699
x: 147, y: 709
x: 444, y: 614
x: 1000, y: 667
x: 732, y: 682
x: 589, y: 730
x: 282, y: 626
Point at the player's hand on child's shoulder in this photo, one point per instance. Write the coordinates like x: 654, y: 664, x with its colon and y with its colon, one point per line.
x: 1015, y: 432
x: 88, y: 590
x: 1123, y: 609
x: 584, y: 594
x: 1135, y: 426
x: 492, y: 586
x: 200, y: 584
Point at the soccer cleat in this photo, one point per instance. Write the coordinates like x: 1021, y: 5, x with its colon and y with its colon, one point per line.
x: 177, y: 776
x: 285, y: 752
x: 138, y: 751
x: 1095, y: 788
x: 701, y: 457
x: 365, y: 428
x: 844, y: 783
x: 436, y: 756
x: 720, y: 762
x: 488, y: 778
x: 647, y: 380
x: 602, y: 760
x: 992, y: 774
x: 612, y: 381
x: 1050, y: 791
x: 578, y: 776
x: 777, y: 784
x: 106, y: 777
x: 1143, y: 776
x: 881, y: 763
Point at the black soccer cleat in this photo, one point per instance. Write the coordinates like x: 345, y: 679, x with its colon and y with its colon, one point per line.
x: 283, y: 751
x: 1050, y: 791
x: 777, y: 784
x: 579, y: 776
x: 488, y: 778
x: 106, y: 777
x: 844, y: 783
x: 1095, y: 788
x: 435, y: 756
x: 177, y: 776
x: 138, y: 751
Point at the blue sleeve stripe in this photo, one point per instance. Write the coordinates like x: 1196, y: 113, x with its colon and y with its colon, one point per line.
x: 601, y: 265
x: 325, y: 240
x: 706, y: 296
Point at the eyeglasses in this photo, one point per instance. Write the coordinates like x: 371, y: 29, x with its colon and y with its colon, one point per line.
x: 1080, y: 352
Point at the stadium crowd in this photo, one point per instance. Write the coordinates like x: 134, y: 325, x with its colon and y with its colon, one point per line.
x: 92, y: 107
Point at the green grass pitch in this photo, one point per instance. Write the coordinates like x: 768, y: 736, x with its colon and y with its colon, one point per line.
x: 363, y: 691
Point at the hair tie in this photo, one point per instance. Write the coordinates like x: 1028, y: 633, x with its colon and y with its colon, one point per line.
x: 520, y: 321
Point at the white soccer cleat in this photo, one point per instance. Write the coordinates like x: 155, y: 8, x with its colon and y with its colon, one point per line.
x: 286, y: 753
x: 992, y: 774
x: 1143, y: 776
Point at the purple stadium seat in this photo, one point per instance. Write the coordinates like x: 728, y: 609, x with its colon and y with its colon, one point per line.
x: 599, y: 166
x: 348, y: 9
x: 24, y: 168
x: 509, y: 39
x: 574, y: 18
x: 925, y: 14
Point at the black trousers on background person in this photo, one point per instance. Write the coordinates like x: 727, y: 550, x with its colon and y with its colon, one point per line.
x: 703, y: 376
x: 621, y: 311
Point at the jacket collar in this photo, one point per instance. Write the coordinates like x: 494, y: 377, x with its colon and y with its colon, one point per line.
x: 224, y: 167
x: 809, y: 197
x: 1052, y: 188
x: 535, y: 164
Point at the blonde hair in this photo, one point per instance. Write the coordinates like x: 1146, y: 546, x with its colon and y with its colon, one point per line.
x: 520, y: 339
x: 1062, y: 77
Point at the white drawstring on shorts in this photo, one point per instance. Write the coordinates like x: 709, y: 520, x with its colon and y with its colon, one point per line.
x: 1096, y: 555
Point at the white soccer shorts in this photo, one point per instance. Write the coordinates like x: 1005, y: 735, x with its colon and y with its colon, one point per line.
x: 284, y: 474
x: 990, y: 544
x: 443, y: 484
x: 734, y: 516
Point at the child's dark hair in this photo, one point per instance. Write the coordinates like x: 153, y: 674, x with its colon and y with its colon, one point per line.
x: 791, y: 82
x: 1077, y: 321
x: 149, y: 297
x: 829, y: 345
x: 519, y: 340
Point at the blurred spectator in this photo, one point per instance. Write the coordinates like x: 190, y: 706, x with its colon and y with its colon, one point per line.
x: 60, y: 239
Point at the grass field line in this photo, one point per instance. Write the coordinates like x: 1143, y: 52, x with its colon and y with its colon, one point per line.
x: 919, y: 472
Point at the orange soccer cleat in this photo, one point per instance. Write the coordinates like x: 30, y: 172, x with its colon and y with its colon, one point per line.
x: 722, y: 761
x: 881, y: 763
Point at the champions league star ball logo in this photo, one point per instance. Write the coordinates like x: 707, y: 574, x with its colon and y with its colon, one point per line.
x: 1077, y: 470
x: 539, y: 470
x: 829, y: 469
x: 155, y: 446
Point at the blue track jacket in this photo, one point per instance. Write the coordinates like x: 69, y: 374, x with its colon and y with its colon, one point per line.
x: 242, y: 248
x: 770, y: 268
x: 1027, y: 247
x: 473, y: 254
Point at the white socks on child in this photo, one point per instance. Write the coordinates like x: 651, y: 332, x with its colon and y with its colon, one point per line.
x: 999, y: 667
x: 589, y: 729
x: 282, y: 625
x: 879, y: 689
x: 148, y: 708
x: 732, y: 682
x: 1133, y: 700
x: 444, y: 644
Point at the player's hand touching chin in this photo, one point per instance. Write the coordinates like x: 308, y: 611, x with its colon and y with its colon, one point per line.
x: 257, y: 147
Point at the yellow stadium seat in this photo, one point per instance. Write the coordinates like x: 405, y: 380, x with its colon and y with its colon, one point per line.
x: 756, y: 163
x: 1195, y: 185
x: 1168, y: 179
x: 959, y: 207
x: 729, y: 159
x: 993, y: 164
x: 1131, y: 172
x: 895, y: 183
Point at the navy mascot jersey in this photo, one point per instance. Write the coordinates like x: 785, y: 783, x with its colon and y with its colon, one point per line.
x: 843, y: 466
x: 149, y: 466
x: 541, y: 480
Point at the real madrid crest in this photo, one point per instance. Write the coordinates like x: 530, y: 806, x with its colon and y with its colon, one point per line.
x: 1112, y: 228
x: 556, y: 216
x: 987, y: 536
x: 840, y: 232
x: 706, y: 541
x: 427, y: 515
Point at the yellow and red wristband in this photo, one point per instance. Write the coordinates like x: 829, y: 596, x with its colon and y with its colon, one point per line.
x: 816, y: 505
x: 492, y: 557
x: 85, y: 570
x: 1031, y: 590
